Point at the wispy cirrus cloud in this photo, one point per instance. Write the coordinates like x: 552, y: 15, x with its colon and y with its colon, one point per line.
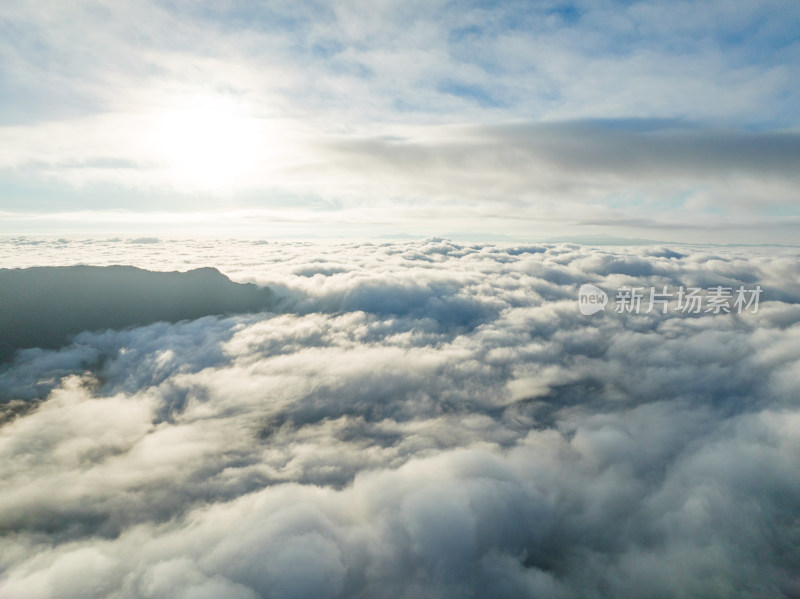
x: 264, y: 93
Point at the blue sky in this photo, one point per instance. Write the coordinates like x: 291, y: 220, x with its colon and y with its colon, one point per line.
x: 663, y: 120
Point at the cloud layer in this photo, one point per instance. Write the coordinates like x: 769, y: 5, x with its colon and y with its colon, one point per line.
x: 425, y: 418
x: 416, y: 117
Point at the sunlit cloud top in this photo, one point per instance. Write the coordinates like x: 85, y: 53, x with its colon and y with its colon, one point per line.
x: 649, y: 119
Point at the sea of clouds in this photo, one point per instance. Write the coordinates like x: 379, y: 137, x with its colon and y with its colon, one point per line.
x: 411, y: 419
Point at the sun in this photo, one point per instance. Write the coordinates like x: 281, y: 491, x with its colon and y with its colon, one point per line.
x: 209, y: 143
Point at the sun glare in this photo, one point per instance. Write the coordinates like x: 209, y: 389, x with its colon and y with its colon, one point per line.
x: 210, y: 143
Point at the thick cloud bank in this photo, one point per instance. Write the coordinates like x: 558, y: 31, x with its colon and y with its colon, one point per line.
x: 422, y: 419
x: 43, y: 306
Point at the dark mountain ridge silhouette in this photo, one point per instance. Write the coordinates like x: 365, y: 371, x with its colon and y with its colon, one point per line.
x: 45, y: 306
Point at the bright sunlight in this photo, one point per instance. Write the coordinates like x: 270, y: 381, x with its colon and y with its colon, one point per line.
x: 209, y: 144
